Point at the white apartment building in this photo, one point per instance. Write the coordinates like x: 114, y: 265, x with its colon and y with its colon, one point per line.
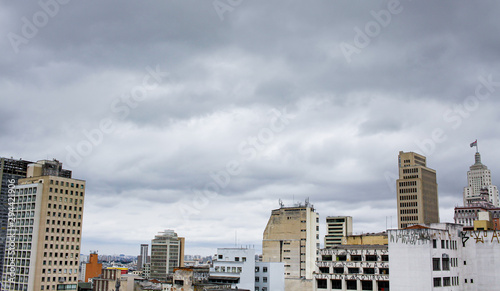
x: 235, y: 266
x: 442, y: 256
x: 269, y: 276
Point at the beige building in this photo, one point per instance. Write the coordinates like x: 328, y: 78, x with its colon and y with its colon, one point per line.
x: 44, y: 233
x: 337, y: 227
x: 292, y: 237
x: 417, y: 193
x: 167, y: 253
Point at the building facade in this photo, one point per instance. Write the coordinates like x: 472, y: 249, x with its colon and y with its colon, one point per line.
x: 167, y: 253
x: 44, y: 234
x: 143, y: 258
x: 353, y: 267
x: 417, y: 191
x: 10, y: 172
x: 292, y: 237
x: 479, y: 178
x: 235, y: 266
x: 337, y: 227
x: 269, y: 276
x: 444, y: 257
x: 93, y: 268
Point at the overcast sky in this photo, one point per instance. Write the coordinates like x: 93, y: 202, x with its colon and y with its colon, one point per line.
x: 199, y: 116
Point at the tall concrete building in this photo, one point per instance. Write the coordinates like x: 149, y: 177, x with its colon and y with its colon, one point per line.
x: 10, y: 172
x: 44, y: 232
x: 337, y: 227
x: 167, y: 253
x: 479, y: 177
x: 292, y: 237
x: 143, y: 258
x: 417, y: 191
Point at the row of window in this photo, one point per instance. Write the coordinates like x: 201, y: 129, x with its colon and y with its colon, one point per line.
x: 51, y: 246
x: 409, y: 183
x: 408, y: 211
x: 31, y: 190
x: 408, y: 204
x: 356, y: 258
x: 25, y: 198
x: 447, y: 281
x: 341, y: 270
x: 68, y: 239
x: 352, y: 284
x: 72, y: 185
x: 62, y: 230
x: 62, y: 191
x: 264, y: 279
x: 65, y: 200
x: 408, y: 190
x: 446, y: 244
x: 61, y: 255
x: 409, y: 171
x: 409, y: 218
x: 407, y: 197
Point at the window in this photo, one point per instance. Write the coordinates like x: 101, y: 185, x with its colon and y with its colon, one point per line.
x: 385, y: 258
x: 436, y: 264
x: 321, y: 283
x: 351, y: 285
x: 324, y: 270
x: 355, y: 258
x: 257, y: 279
x: 337, y: 284
x: 442, y: 244
x: 437, y: 282
x: 353, y: 270
x: 366, y: 285
x: 434, y: 243
x: 446, y: 264
x: 446, y: 281
x: 339, y: 270
x: 341, y: 258
x: 236, y: 259
x: 264, y: 279
x: 383, y: 271
x: 371, y: 258
x: 326, y: 258
x: 264, y: 269
x: 369, y: 270
x: 257, y: 269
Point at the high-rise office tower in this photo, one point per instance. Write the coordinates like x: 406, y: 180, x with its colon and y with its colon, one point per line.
x: 143, y: 258
x: 167, y: 253
x: 10, y: 171
x: 336, y: 228
x: 292, y: 237
x: 44, y: 232
x: 479, y: 177
x: 417, y: 192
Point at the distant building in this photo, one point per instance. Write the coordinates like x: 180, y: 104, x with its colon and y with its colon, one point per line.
x: 146, y: 271
x: 110, y: 280
x: 292, y: 237
x: 195, y: 279
x: 336, y: 228
x: 479, y: 178
x: 417, y: 191
x: 48, y: 207
x: 93, y: 268
x: 468, y: 215
x: 143, y: 258
x: 10, y: 172
x: 167, y: 253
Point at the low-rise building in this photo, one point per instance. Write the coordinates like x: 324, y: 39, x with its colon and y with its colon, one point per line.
x: 269, y: 276
x: 353, y: 267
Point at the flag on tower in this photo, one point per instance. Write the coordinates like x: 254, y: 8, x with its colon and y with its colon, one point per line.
x: 474, y: 143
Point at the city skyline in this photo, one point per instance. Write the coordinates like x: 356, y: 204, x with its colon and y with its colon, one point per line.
x: 153, y: 103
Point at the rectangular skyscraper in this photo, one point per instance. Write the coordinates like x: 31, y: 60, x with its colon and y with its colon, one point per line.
x: 336, y: 228
x: 292, y: 237
x: 43, y: 239
x: 417, y: 192
x: 167, y: 253
x: 479, y: 178
x: 142, y: 259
